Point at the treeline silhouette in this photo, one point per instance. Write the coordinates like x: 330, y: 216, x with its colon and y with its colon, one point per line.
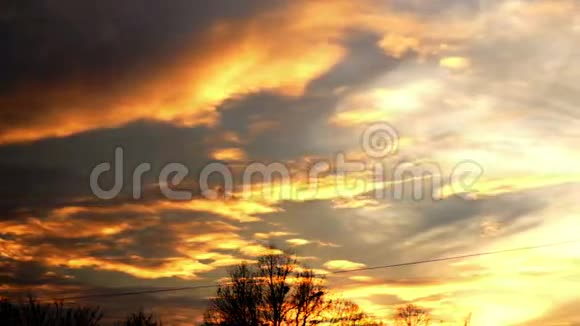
x: 34, y: 313
x: 276, y: 290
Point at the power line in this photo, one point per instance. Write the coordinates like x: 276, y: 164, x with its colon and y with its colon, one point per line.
x: 418, y: 262
x: 121, y: 294
x: 456, y: 257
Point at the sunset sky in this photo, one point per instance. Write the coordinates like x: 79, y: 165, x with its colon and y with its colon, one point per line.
x: 493, y: 83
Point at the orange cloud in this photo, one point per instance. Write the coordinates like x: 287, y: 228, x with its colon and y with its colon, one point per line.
x: 229, y: 154
x: 191, y: 245
x: 64, y: 227
x: 281, y: 50
x: 173, y: 267
x: 238, y: 210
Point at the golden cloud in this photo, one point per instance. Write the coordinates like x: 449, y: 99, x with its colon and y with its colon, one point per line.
x: 342, y: 264
x: 454, y: 63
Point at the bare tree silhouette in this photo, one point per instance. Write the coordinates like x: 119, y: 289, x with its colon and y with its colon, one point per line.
x: 34, y: 313
x: 347, y: 313
x: 412, y: 315
x: 274, y: 269
x: 307, y: 298
x: 467, y: 320
x: 140, y: 318
x: 238, y: 302
x: 276, y: 291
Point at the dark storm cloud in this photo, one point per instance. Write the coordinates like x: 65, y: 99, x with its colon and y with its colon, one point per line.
x: 103, y: 41
x: 28, y: 273
x: 66, y: 63
x: 24, y: 187
x: 55, y: 172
